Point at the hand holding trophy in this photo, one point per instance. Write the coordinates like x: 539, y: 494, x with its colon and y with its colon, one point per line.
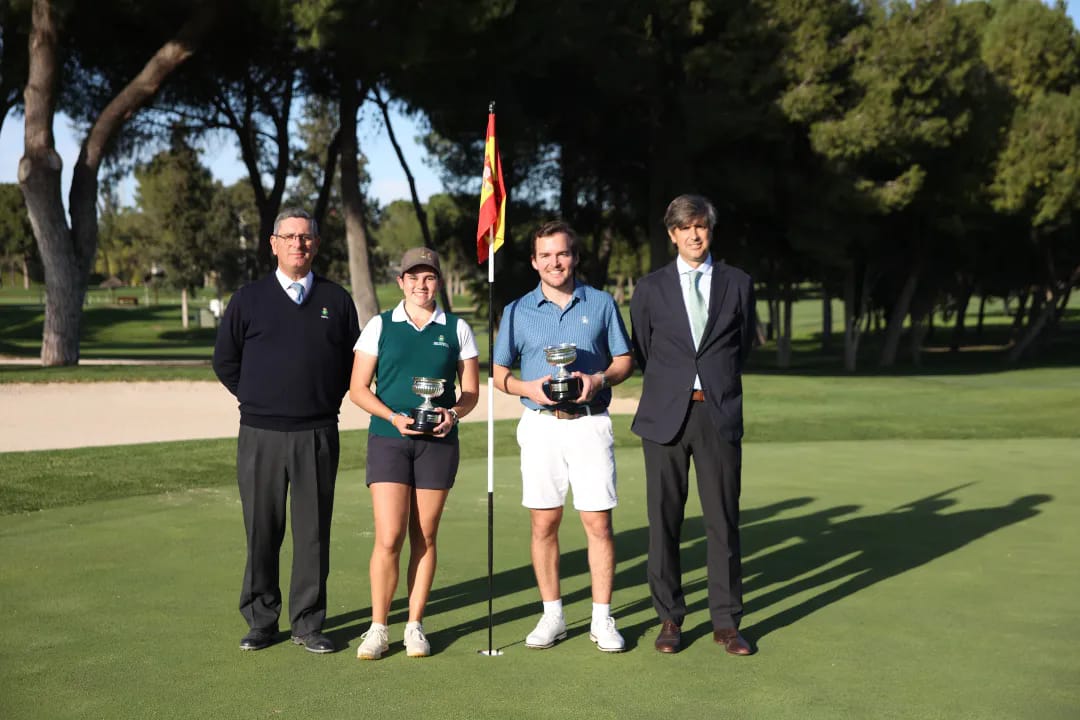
x: 562, y: 387
x: 425, y: 417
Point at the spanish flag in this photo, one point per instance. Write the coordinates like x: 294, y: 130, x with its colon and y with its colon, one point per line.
x: 492, y: 197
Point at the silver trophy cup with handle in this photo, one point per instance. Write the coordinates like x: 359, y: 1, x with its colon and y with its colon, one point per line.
x: 562, y: 387
x: 425, y: 416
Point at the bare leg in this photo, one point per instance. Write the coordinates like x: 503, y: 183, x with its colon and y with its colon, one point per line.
x: 423, y: 528
x: 545, y: 551
x: 601, y: 553
x: 390, y: 502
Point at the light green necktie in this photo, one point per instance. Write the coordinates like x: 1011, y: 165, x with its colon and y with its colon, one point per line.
x: 299, y: 287
x: 696, y: 306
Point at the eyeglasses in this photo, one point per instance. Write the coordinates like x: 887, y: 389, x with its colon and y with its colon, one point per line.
x: 303, y: 238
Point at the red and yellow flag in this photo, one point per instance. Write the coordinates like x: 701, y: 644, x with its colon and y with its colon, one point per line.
x: 492, y: 198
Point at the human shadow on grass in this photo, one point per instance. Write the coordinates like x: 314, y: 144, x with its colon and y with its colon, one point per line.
x: 865, y: 550
x: 630, y: 544
x: 857, y: 552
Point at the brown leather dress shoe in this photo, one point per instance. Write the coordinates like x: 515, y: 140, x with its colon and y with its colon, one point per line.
x: 733, y: 642
x: 670, y: 638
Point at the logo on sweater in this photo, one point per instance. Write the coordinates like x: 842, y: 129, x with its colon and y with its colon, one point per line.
x: 584, y: 319
x: 325, y: 315
x: 441, y: 342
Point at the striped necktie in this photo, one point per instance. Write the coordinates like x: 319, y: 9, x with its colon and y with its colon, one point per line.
x: 299, y: 288
x: 696, y: 306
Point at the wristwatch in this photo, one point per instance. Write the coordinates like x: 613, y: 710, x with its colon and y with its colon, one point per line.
x: 603, y: 381
x: 453, y: 412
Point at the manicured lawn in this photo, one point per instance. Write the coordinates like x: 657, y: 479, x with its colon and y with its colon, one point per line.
x: 910, y: 551
x: 884, y: 579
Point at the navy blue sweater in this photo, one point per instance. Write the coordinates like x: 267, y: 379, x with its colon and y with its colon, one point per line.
x: 288, y: 365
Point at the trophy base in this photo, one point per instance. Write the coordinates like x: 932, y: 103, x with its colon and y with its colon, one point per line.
x: 424, y: 421
x: 567, y: 390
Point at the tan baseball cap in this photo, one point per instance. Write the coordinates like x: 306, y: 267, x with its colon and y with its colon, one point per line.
x: 420, y: 256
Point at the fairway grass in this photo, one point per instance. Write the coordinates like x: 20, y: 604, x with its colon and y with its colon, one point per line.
x: 894, y: 578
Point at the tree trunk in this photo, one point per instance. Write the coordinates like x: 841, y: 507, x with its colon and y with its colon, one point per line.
x: 919, y: 330
x: 982, y: 316
x: 184, y: 321
x: 25, y: 273
x: 826, y: 320
x: 851, y: 320
x: 363, y: 289
x: 1018, y: 316
x: 333, y: 151
x: 619, y: 290
x: 783, y: 335
x: 1035, y: 328
x: 961, y: 314
x: 896, y: 319
x: 68, y: 254
x: 418, y: 207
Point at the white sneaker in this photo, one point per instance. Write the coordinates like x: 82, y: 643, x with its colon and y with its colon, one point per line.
x: 416, y: 643
x: 606, y: 637
x: 547, y: 631
x: 376, y: 642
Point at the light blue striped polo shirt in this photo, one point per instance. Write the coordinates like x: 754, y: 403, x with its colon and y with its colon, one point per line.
x: 590, y: 320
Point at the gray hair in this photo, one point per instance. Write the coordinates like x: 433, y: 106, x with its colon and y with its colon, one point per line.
x: 295, y: 212
x: 684, y: 209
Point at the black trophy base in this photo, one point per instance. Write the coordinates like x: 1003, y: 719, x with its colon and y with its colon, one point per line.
x: 425, y: 421
x: 567, y: 390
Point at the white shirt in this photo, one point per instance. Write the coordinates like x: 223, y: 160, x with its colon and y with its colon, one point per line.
x: 287, y: 281
x: 369, y: 338
x: 686, y: 285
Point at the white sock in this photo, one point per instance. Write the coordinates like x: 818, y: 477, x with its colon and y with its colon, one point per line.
x: 413, y: 624
x: 600, y: 613
x: 553, y: 607
x: 378, y: 626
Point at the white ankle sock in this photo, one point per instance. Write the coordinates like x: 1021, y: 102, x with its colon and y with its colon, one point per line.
x: 600, y: 613
x: 553, y: 607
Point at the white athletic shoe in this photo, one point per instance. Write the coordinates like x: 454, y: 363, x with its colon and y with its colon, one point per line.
x: 376, y: 641
x: 606, y: 637
x: 416, y: 643
x: 550, y: 629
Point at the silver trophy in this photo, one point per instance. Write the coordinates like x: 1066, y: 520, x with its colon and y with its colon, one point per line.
x: 562, y: 387
x: 425, y: 416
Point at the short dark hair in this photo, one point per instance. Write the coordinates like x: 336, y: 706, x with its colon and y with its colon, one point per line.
x: 554, y: 227
x: 686, y: 208
x: 295, y: 212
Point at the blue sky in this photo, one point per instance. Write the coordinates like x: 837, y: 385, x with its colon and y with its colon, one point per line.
x: 388, y: 181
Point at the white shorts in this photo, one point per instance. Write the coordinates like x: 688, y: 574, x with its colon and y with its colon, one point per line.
x: 557, y: 455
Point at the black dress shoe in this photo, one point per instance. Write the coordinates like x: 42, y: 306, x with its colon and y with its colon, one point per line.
x: 314, y: 642
x: 733, y: 642
x: 670, y: 638
x: 258, y: 638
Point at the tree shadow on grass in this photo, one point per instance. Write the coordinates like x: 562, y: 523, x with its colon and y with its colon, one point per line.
x: 857, y: 552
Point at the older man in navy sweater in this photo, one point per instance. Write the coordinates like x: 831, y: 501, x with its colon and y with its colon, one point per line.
x: 284, y: 350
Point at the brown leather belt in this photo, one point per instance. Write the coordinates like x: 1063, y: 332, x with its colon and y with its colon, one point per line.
x: 698, y: 396
x: 571, y: 414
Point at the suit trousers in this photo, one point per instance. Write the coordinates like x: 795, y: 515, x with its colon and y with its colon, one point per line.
x: 268, y: 463
x: 718, y: 466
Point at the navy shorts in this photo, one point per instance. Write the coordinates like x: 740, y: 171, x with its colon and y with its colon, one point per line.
x: 423, y: 463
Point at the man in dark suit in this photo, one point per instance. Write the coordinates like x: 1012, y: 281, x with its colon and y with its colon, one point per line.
x: 693, y: 323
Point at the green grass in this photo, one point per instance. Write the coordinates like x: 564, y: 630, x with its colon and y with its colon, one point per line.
x: 1034, y: 403
x: 884, y: 579
x: 151, y: 333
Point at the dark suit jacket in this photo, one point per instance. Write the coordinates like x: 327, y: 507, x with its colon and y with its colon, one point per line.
x: 665, y: 351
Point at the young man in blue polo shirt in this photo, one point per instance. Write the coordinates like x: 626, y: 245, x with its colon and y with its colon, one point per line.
x: 566, y: 445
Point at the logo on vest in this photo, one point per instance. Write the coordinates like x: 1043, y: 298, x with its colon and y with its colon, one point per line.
x: 441, y: 342
x: 325, y: 314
